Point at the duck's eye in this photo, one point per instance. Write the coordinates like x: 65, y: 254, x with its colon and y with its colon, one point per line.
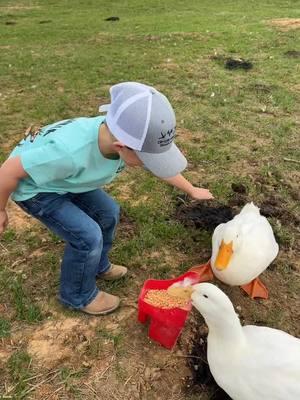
x: 205, y: 295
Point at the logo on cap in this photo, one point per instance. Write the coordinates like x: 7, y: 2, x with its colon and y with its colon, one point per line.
x: 166, y: 137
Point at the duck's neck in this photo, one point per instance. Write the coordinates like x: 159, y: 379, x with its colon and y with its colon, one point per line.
x: 227, y: 329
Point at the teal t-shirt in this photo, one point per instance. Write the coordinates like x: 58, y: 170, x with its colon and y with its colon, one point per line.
x: 64, y: 157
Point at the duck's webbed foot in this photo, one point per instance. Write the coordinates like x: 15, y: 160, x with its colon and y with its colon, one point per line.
x: 256, y: 289
x: 204, y: 271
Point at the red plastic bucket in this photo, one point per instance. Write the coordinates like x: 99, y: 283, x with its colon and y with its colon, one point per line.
x: 165, y: 324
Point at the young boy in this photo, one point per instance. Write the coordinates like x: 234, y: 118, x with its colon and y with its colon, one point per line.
x: 55, y: 173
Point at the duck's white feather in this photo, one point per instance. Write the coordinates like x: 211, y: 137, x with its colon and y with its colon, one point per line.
x: 267, y: 365
x: 250, y: 362
x: 254, y: 246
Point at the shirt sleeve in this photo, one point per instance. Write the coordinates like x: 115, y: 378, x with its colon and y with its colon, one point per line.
x: 50, y: 162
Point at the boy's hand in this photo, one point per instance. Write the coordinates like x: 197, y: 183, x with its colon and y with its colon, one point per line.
x: 200, y: 194
x: 194, y: 192
x: 3, y: 220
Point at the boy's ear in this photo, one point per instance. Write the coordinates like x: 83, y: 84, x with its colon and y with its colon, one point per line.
x: 118, y: 146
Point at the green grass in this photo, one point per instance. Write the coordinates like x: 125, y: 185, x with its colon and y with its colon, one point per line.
x: 116, y: 339
x: 8, y: 236
x: 19, y: 369
x: 4, y: 328
x: 59, y: 59
x: 68, y: 377
x: 25, y: 309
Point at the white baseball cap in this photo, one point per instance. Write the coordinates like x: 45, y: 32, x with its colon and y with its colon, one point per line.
x: 143, y: 119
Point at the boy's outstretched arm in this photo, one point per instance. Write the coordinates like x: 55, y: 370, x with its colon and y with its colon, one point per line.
x: 183, y: 184
x: 11, y: 172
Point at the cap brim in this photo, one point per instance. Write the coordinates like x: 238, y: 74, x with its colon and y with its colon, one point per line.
x: 164, y: 165
x: 104, y: 108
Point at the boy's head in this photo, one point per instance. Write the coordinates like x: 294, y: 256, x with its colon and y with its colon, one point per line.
x: 142, y: 118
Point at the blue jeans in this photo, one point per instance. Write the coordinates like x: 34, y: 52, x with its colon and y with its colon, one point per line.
x: 86, y: 222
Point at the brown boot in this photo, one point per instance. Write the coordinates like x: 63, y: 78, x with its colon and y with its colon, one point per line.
x: 115, y: 272
x: 102, y: 304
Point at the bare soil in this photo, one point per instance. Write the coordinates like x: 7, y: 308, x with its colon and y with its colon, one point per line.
x: 286, y: 24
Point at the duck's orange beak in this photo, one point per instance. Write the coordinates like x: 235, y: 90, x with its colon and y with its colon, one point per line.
x: 224, y: 255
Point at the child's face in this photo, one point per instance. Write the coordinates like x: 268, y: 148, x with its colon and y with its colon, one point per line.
x: 129, y: 157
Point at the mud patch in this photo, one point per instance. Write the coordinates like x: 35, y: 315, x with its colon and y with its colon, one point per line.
x: 206, y: 215
x: 238, y: 63
x: 273, y: 207
x: 232, y: 63
x: 113, y: 19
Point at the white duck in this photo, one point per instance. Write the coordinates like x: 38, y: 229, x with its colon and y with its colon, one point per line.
x: 250, y: 362
x: 242, y: 249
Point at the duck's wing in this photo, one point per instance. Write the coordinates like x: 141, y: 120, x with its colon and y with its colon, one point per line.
x: 273, y: 362
x: 260, y: 239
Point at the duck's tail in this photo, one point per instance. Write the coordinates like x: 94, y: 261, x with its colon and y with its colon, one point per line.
x: 250, y: 208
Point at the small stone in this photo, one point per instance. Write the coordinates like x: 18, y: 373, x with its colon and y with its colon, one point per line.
x: 147, y: 373
x: 112, y: 326
x: 86, y: 364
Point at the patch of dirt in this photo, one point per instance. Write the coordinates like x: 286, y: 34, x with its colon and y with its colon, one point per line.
x: 126, y: 226
x: 18, y: 219
x: 14, y: 136
x: 140, y: 200
x: 38, y: 253
x: 206, y: 215
x: 56, y: 341
x: 17, y: 8
x: 45, y: 21
x: 261, y: 88
x: 133, y: 367
x: 239, y: 188
x: 168, y: 64
x: 127, y: 190
x: 46, y: 390
x: 232, y: 63
x: 186, y: 136
x: 238, y: 63
x: 296, y: 87
x: 292, y: 53
x: 112, y: 19
x: 4, y: 356
x: 286, y: 24
x: 167, y: 257
x: 273, y: 207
